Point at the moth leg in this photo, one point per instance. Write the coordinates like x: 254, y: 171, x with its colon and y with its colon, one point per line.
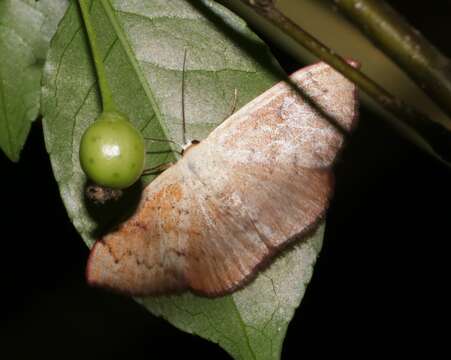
x: 232, y: 105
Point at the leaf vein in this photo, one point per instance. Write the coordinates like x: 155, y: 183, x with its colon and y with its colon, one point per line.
x: 217, y: 71
x: 60, y: 61
x: 158, y: 17
x: 243, y: 328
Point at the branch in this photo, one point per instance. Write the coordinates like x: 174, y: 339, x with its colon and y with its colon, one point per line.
x: 434, y: 133
x: 424, y: 63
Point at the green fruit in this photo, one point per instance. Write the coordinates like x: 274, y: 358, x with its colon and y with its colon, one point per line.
x: 112, y: 151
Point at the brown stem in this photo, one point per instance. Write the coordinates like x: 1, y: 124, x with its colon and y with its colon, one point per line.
x: 423, y: 62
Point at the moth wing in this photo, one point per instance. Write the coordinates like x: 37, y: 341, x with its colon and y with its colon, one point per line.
x: 145, y: 254
x: 259, y: 181
x: 249, y: 214
x: 304, y: 121
x: 190, y: 232
x: 265, y: 175
x: 182, y: 236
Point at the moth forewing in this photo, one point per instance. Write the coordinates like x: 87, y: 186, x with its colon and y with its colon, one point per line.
x: 258, y: 182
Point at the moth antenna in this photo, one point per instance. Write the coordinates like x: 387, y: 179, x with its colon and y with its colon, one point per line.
x: 163, y: 140
x: 183, y: 98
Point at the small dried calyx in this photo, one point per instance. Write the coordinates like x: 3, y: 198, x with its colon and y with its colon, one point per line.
x: 100, y: 195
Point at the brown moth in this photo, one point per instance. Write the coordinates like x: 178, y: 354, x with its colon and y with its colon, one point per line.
x: 259, y: 181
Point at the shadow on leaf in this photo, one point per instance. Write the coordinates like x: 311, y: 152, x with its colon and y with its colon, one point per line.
x: 109, y: 208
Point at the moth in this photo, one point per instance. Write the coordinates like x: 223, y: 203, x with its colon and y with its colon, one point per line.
x: 260, y: 181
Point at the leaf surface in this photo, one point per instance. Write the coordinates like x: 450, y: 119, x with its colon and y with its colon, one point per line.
x: 142, y: 44
x: 26, y: 27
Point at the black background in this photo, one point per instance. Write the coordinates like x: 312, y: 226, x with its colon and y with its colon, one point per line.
x: 378, y: 288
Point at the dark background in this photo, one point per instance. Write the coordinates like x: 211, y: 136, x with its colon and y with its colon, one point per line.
x: 378, y: 288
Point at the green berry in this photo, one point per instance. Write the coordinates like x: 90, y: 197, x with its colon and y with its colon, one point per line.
x: 112, y: 151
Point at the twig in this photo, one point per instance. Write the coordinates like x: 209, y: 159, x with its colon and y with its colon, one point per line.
x: 423, y: 62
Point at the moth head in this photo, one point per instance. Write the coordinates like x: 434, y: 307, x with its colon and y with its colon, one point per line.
x: 189, y: 145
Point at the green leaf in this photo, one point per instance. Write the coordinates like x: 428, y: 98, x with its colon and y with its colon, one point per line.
x: 26, y: 27
x: 142, y: 44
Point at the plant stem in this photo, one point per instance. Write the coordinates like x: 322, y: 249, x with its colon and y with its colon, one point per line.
x: 434, y: 133
x: 424, y: 63
x: 108, y: 103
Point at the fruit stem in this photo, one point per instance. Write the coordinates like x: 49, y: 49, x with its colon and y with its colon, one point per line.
x: 108, y: 103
